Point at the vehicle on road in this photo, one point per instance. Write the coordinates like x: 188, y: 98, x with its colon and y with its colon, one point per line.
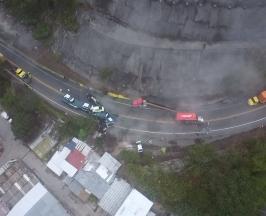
x: 92, y: 100
x: 106, y: 117
x: 139, y: 102
x: 25, y: 76
x: 69, y: 100
x: 139, y: 146
x: 91, y: 108
x: 189, y: 117
x: 261, y: 98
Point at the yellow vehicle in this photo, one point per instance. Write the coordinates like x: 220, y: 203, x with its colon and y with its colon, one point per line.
x: 261, y: 98
x: 26, y: 76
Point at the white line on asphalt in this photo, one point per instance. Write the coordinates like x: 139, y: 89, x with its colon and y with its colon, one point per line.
x: 240, y: 125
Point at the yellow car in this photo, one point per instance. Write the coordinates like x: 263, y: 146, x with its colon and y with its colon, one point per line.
x: 21, y: 73
x: 253, y: 101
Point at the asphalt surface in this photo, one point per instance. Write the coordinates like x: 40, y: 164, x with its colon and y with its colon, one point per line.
x: 224, y: 119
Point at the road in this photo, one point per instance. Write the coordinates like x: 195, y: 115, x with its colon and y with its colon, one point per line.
x: 224, y: 119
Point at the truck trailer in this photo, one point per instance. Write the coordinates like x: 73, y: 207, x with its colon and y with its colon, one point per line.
x: 189, y: 117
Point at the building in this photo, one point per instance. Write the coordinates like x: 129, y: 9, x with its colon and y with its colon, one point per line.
x: 136, y: 204
x: 70, y: 159
x: 96, y: 175
x: 21, y: 193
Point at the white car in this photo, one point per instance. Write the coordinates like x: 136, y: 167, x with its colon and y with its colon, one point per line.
x: 5, y: 116
x: 97, y: 109
x: 139, y: 146
x: 69, y: 98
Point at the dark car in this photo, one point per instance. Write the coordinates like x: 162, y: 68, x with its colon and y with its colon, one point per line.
x: 92, y: 100
x: 108, y: 118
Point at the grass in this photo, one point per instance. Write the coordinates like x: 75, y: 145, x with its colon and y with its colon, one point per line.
x: 43, y: 147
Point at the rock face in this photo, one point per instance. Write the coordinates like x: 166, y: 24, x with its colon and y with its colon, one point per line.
x: 196, y: 49
x: 200, y: 20
x: 174, y: 49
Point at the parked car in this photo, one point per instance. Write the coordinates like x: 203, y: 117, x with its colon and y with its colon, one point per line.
x: 139, y: 146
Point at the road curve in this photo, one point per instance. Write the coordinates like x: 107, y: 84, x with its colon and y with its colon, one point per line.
x: 226, y: 120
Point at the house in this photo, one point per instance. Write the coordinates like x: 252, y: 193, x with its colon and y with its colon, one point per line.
x: 98, y: 173
x: 70, y: 159
x: 136, y: 204
x: 21, y: 193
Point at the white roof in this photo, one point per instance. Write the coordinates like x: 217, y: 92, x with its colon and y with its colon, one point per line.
x: 109, y: 162
x: 136, y: 204
x: 28, y: 201
x: 68, y: 168
x: 57, y: 160
x: 67, y: 96
x: 85, y: 105
x: 102, y: 171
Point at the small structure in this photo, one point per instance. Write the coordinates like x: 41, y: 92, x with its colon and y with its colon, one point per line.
x: 135, y: 204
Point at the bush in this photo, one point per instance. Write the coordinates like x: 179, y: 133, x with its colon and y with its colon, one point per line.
x: 42, y: 31
x: 23, y: 107
x: 44, y: 15
x: 77, y: 127
x: 210, y: 184
x: 4, y: 83
x: 133, y: 157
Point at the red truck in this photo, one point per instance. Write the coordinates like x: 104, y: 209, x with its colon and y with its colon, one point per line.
x: 189, y: 117
x: 139, y: 102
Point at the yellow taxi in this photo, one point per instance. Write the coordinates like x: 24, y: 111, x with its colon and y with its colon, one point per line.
x: 21, y: 73
x: 253, y: 101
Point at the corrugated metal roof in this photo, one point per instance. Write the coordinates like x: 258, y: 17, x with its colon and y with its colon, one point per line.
x: 92, y: 182
x: 38, y: 201
x: 76, y: 159
x: 110, y: 162
x: 47, y: 205
x: 115, y: 196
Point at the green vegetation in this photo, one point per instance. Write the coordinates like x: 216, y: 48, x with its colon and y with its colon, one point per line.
x: 41, y: 31
x: 44, y: 15
x: 4, y: 83
x: 231, y: 183
x: 78, y: 127
x: 105, y: 74
x: 29, y: 113
x: 23, y: 106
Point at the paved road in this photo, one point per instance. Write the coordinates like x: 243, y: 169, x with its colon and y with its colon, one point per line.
x: 225, y: 119
x: 13, y: 149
